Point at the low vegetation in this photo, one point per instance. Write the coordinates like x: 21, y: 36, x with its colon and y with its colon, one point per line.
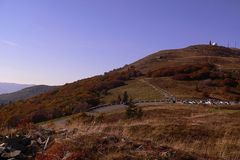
x: 66, y: 100
x: 168, y: 131
x: 200, y: 71
x: 163, y: 132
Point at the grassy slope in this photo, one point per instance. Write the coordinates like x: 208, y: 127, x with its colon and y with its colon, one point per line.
x: 136, y: 89
x: 203, y: 131
x: 224, y: 57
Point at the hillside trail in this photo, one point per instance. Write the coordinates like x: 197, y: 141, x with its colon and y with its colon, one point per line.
x: 156, y: 88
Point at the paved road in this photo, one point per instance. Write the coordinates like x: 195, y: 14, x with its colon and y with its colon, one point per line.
x: 108, y: 108
x: 60, y: 123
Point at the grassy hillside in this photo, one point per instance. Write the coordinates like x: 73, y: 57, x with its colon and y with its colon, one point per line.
x: 25, y: 93
x: 137, y: 90
x: 200, y: 71
x: 66, y: 100
x: 225, y: 58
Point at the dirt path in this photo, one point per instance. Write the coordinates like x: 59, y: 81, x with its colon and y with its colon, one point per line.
x: 201, y: 115
x: 160, y: 90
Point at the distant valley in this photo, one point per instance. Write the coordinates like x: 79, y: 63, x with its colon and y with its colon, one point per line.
x: 12, y: 87
x: 25, y: 93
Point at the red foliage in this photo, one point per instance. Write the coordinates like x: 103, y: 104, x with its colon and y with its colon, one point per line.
x: 182, y: 77
x: 184, y: 69
x: 13, y: 121
x: 40, y: 116
x: 56, y: 151
x: 70, y: 98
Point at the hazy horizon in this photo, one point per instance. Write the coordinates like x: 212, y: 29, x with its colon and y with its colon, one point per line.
x: 55, y: 42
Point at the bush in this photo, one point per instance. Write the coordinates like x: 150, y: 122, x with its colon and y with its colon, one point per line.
x: 230, y: 82
x: 183, y: 69
x: 125, y: 98
x: 40, y: 116
x: 13, y: 121
x: 205, y: 94
x: 216, y: 75
x: 133, y: 111
x: 182, y: 77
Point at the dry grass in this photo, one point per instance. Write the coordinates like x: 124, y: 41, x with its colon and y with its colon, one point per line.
x: 181, y: 89
x: 227, y: 58
x: 203, y: 131
x: 136, y: 89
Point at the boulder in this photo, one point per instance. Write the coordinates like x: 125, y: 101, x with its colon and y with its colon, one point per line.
x: 21, y: 146
x: 1, y: 150
x: 13, y: 154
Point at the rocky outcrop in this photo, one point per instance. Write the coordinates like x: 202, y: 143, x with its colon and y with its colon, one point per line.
x: 25, y: 146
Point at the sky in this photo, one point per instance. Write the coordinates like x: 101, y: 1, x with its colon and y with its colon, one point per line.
x: 60, y: 41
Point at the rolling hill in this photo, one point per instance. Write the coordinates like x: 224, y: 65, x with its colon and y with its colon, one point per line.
x: 25, y: 93
x: 200, y: 71
x: 12, y: 87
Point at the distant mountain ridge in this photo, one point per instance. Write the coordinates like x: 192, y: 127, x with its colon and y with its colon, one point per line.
x: 25, y: 93
x: 12, y: 87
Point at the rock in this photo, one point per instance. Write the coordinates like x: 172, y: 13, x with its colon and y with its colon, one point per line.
x: 1, y: 150
x: 12, y: 154
x: 46, y: 144
x: 67, y: 155
x: 23, y: 147
x: 40, y: 141
x: 61, y: 131
x: 3, y: 145
x: 18, y: 143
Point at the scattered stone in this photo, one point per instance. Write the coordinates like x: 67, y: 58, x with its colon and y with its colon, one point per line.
x: 12, y: 154
x: 1, y: 150
x: 21, y: 146
x: 46, y: 143
x: 3, y: 145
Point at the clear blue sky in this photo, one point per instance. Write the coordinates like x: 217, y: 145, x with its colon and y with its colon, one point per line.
x: 60, y: 41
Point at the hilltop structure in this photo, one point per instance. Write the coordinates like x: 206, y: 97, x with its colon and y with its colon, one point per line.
x: 213, y: 43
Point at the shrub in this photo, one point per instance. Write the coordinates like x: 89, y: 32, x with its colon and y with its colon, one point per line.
x: 183, y: 69
x: 40, y: 116
x: 205, y: 94
x: 125, y: 97
x: 13, y: 121
x: 216, y: 75
x: 230, y: 82
x: 133, y: 111
x: 182, y: 77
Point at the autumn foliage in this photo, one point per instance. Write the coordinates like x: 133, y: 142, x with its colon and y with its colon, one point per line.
x: 68, y: 99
